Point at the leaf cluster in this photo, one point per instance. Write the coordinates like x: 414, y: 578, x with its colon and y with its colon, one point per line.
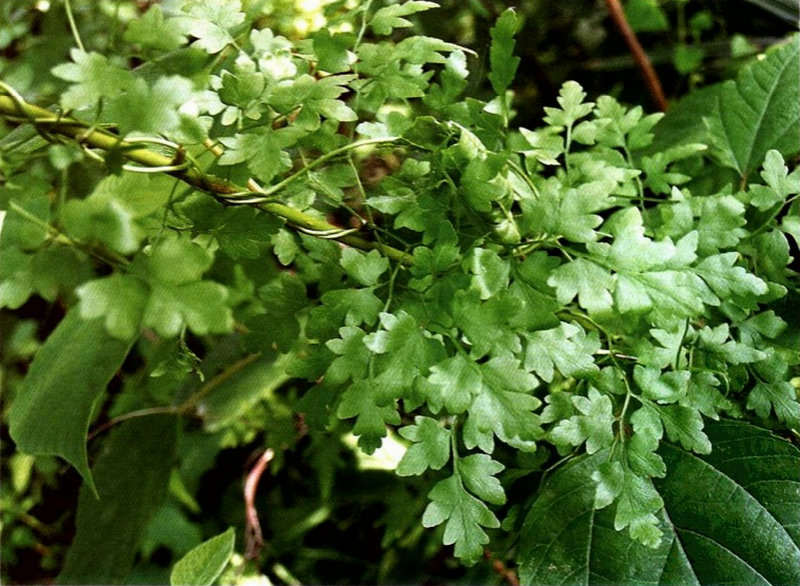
x: 575, y: 313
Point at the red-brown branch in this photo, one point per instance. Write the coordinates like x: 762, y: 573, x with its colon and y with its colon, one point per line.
x: 639, y: 56
x: 254, y: 539
x: 509, y: 575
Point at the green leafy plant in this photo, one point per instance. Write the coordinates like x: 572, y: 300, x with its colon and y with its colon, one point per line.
x: 578, y: 339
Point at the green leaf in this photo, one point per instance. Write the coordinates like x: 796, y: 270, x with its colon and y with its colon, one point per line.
x: 203, y: 564
x: 490, y: 272
x: 353, y: 356
x: 501, y: 52
x: 780, y: 397
x: 465, y: 518
x: 478, y: 473
x: 565, y: 348
x: 363, y: 401
x: 263, y: 150
x: 119, y: 210
x: 431, y: 447
x: 404, y: 353
x: 390, y: 17
x: 727, y: 279
x: 178, y: 297
x: 333, y: 51
x: 504, y: 408
x: 588, y: 281
x: 283, y: 298
x: 747, y: 486
x: 212, y: 23
x: 759, y: 111
x: 132, y: 476
x: 133, y: 111
x: 71, y: 370
x: 92, y: 77
x: 570, y: 98
x: 594, y: 425
x: 119, y: 299
x: 780, y: 184
x: 457, y: 380
x: 151, y: 31
x: 365, y: 269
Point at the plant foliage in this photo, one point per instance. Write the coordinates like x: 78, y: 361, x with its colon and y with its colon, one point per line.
x: 556, y: 327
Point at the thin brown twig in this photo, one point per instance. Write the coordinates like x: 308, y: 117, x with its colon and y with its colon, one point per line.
x: 639, y: 56
x: 254, y: 538
x: 500, y: 567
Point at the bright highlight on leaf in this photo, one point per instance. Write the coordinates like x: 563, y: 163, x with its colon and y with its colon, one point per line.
x: 203, y: 565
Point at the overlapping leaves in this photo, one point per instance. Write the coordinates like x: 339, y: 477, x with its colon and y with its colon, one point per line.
x: 570, y: 292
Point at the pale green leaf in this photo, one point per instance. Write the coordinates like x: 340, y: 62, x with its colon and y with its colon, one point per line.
x: 465, y: 517
x: 501, y: 52
x: 203, y: 564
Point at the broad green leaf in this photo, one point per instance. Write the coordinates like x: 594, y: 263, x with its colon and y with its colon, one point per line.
x: 747, y: 486
x: 132, y: 476
x: 759, y: 111
x: 203, y: 564
x: 243, y: 390
x: 71, y: 370
x: 564, y: 540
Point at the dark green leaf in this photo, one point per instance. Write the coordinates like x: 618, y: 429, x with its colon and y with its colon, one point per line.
x: 70, y: 371
x: 132, y: 476
x: 759, y: 111
x: 747, y: 486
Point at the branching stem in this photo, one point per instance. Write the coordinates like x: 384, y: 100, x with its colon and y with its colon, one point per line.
x: 14, y: 109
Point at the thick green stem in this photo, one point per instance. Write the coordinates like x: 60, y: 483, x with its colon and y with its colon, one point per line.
x: 21, y: 112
